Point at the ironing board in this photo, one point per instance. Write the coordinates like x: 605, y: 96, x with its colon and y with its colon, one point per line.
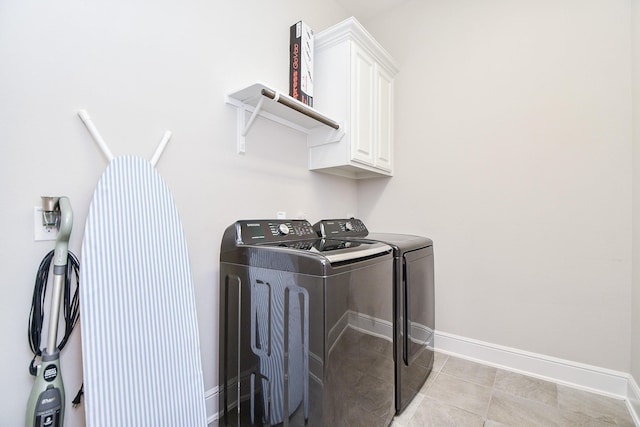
x: 140, y: 345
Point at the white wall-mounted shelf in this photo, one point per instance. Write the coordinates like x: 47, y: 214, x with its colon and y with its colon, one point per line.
x: 262, y: 100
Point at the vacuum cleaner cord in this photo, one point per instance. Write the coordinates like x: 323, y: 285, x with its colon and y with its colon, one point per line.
x: 71, y: 305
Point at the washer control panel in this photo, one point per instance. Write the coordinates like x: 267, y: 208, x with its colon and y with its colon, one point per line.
x: 349, y: 227
x: 273, y: 230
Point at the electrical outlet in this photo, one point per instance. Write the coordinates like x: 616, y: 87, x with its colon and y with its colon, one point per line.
x: 40, y: 232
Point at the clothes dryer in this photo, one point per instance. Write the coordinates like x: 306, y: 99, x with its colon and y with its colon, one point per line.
x: 413, y: 299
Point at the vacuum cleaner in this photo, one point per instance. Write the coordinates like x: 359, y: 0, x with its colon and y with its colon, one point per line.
x: 46, y: 402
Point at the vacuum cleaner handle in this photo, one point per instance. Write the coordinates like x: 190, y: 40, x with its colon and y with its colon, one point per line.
x: 62, y: 242
x: 60, y: 255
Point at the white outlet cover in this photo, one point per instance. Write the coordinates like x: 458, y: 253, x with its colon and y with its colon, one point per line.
x: 40, y: 232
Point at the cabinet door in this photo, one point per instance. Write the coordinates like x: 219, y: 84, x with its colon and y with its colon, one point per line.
x: 363, y: 94
x: 384, y: 121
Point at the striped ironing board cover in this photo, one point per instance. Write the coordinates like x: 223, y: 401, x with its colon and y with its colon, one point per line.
x: 140, y: 345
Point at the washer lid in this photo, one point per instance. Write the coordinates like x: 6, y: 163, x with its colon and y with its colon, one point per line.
x: 334, y: 250
x: 353, y: 253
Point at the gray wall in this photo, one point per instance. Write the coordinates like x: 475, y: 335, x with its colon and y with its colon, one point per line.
x: 513, y: 132
x: 140, y: 68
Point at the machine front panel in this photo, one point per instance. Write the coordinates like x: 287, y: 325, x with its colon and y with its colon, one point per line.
x: 306, y: 350
x: 417, y: 323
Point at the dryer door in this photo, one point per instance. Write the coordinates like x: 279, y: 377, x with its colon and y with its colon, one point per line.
x: 418, y: 296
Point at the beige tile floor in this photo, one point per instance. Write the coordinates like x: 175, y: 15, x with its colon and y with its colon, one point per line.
x: 462, y: 393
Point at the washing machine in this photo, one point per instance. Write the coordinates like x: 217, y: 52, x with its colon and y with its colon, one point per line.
x: 305, y: 328
x: 413, y: 298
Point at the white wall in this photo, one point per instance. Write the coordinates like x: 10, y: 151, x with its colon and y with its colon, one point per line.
x: 140, y: 68
x: 513, y: 132
x: 635, y: 325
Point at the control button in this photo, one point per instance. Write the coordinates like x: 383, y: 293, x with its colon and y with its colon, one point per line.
x: 283, y: 229
x: 348, y: 226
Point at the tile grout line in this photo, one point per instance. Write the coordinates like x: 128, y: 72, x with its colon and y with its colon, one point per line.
x: 493, y: 388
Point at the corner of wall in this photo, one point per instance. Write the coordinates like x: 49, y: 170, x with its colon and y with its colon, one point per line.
x: 635, y: 277
x: 633, y: 399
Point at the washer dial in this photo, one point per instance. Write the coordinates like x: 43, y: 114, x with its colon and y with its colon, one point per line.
x: 283, y: 229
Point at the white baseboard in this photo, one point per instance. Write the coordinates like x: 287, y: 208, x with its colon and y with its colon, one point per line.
x: 633, y: 400
x: 591, y: 378
x: 211, y: 404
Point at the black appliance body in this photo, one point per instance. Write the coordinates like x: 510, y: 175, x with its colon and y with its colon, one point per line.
x: 306, y: 328
x: 414, y: 308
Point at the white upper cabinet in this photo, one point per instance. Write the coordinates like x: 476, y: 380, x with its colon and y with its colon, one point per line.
x: 353, y: 83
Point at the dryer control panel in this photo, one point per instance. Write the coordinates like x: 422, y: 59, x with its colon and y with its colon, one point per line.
x: 350, y: 227
x: 273, y: 230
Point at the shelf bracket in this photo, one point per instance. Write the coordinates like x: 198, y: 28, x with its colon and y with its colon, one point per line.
x: 241, y: 131
x: 323, y: 137
x: 253, y: 116
x: 336, y: 135
x: 244, y: 125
